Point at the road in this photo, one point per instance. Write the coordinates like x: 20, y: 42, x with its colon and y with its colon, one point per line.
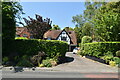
x: 77, y: 67
x: 57, y: 74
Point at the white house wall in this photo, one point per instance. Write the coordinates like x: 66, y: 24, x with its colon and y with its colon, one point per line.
x: 64, y: 34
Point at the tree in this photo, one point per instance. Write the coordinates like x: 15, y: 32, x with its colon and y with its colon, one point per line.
x: 55, y: 27
x: 70, y: 28
x: 78, y: 20
x: 78, y: 31
x: 107, y: 22
x: 91, y: 8
x: 37, y: 27
x: 10, y: 11
x: 87, y: 29
x: 83, y: 24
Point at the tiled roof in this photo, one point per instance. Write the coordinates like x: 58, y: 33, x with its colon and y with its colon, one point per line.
x: 55, y: 33
x: 19, y: 30
x: 52, y: 34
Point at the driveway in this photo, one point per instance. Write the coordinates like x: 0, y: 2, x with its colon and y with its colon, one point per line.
x: 80, y: 64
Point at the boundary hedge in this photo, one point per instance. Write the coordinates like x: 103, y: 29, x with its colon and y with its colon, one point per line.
x: 33, y: 46
x: 102, y: 50
x: 99, y: 49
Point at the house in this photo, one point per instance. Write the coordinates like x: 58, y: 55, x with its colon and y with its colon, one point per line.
x: 62, y: 35
x: 22, y: 32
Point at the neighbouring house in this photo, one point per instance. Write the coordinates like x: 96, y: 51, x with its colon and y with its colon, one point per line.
x: 62, y: 35
x: 22, y: 32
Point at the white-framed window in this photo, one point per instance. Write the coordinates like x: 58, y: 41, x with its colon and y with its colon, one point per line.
x: 63, y: 38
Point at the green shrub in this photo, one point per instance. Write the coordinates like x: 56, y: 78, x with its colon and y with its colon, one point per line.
x: 81, y: 52
x: 86, y: 39
x: 112, y: 63
x: 16, y: 58
x: 47, y: 63
x: 118, y: 53
x: 107, y: 58
x: 117, y: 60
x: 24, y: 62
x: 4, y: 60
x: 56, y: 57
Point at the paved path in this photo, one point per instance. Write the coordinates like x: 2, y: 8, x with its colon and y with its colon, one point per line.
x: 80, y: 64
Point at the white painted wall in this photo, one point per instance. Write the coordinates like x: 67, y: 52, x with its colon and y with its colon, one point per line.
x: 64, y: 35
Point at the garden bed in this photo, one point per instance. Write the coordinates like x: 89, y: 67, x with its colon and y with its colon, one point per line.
x: 97, y: 59
x: 34, y: 52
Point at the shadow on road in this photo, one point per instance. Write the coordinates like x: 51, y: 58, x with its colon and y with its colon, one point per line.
x: 18, y: 69
x: 66, y: 60
x: 69, y: 59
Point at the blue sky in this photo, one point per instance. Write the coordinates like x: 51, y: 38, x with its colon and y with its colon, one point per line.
x: 59, y: 12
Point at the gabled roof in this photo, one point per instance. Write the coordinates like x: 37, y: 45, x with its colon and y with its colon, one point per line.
x: 55, y: 33
x: 20, y: 30
x: 52, y: 34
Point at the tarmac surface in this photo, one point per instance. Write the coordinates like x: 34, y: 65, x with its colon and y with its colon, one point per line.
x: 76, y: 67
x: 81, y: 64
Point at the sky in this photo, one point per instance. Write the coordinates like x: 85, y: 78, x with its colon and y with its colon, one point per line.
x: 60, y: 13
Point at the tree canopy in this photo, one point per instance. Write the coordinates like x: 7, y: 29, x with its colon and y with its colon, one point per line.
x: 55, y: 27
x: 107, y: 22
x: 70, y: 28
x: 37, y: 27
x: 10, y: 11
x: 101, y: 21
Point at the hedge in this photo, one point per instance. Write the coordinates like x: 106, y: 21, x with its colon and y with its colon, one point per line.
x: 99, y: 49
x: 31, y: 47
x: 102, y: 50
